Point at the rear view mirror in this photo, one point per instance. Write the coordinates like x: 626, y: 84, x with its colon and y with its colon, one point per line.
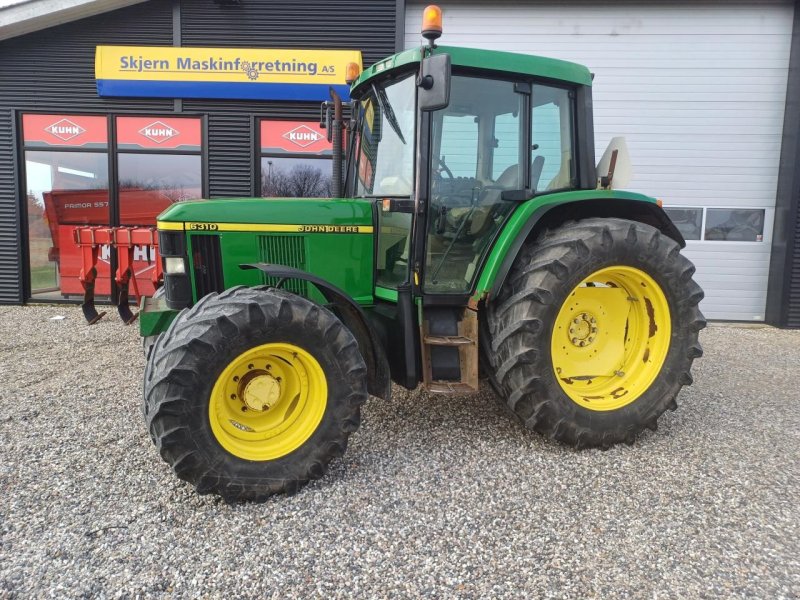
x: 434, y: 82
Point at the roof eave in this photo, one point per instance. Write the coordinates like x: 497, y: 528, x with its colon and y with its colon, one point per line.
x: 34, y: 15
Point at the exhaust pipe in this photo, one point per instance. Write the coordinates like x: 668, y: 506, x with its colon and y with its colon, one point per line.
x: 338, y: 150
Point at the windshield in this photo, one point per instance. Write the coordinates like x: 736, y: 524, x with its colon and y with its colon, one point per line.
x: 386, y: 140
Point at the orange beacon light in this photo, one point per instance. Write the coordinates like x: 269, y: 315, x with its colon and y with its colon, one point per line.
x: 431, y: 22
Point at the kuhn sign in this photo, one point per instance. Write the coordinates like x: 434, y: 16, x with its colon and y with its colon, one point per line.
x: 294, y: 137
x: 65, y: 129
x: 159, y: 132
x: 71, y: 131
x: 303, y: 136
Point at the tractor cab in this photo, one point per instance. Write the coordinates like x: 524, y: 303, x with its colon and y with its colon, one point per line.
x: 462, y: 168
x: 448, y: 143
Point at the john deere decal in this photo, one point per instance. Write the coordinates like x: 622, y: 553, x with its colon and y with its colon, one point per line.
x: 248, y: 73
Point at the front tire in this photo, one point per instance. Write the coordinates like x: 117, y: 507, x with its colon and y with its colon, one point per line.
x: 253, y: 392
x: 149, y: 341
x: 594, y: 332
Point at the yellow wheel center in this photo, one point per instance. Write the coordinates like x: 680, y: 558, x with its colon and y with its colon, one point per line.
x: 611, y: 338
x: 583, y: 330
x: 268, y: 401
x: 261, y: 392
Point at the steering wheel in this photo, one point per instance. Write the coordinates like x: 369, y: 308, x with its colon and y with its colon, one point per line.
x: 441, y: 166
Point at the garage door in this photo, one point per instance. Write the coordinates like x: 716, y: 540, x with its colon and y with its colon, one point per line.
x: 697, y: 89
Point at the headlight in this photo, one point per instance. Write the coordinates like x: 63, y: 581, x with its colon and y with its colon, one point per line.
x: 174, y: 265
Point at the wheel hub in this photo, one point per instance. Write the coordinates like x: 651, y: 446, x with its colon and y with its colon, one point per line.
x: 260, y: 392
x: 583, y: 330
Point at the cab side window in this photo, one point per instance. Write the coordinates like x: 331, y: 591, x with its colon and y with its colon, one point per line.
x: 553, y: 164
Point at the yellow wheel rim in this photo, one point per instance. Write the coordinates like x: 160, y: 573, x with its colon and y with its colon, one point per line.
x: 268, y: 401
x: 610, y: 338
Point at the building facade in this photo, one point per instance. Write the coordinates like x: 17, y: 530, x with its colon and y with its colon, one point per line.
x: 69, y: 156
x: 706, y: 94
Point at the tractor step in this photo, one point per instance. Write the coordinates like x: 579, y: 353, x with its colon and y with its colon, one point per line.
x: 449, y: 340
x: 450, y: 387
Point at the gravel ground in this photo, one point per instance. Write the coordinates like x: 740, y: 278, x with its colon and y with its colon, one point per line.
x: 436, y: 496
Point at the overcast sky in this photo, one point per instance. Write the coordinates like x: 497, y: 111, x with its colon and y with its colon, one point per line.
x: 10, y: 2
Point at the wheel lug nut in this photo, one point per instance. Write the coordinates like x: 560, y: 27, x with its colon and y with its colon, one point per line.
x: 236, y: 378
x: 233, y: 396
x: 577, y: 321
x: 250, y: 366
x: 269, y: 367
x: 244, y: 409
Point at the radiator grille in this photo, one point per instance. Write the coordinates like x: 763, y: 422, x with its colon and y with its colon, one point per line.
x: 207, y: 261
x: 286, y: 250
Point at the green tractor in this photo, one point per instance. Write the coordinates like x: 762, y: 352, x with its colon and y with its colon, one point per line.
x: 468, y: 236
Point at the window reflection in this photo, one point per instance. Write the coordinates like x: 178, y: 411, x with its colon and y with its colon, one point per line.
x: 735, y: 225
x: 283, y: 177
x: 64, y: 189
x: 149, y: 183
x: 689, y: 221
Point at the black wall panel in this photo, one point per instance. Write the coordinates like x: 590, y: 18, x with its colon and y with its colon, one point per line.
x: 10, y: 239
x: 53, y: 70
x: 363, y: 25
x: 783, y: 291
x: 793, y: 301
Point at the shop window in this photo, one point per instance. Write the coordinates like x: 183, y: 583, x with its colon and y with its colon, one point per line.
x: 734, y: 224
x: 66, y: 184
x: 159, y: 163
x: 689, y: 221
x: 295, y: 160
x: 718, y: 224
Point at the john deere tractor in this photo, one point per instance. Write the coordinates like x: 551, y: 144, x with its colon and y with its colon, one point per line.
x: 470, y: 235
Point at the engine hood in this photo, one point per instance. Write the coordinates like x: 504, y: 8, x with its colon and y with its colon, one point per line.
x: 288, y: 211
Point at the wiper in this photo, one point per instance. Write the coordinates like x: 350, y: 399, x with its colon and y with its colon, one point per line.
x: 383, y: 101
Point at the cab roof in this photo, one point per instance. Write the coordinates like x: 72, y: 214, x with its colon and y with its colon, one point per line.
x: 493, y: 60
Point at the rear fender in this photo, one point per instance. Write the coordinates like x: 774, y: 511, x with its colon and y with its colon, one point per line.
x: 633, y: 207
x: 352, y: 316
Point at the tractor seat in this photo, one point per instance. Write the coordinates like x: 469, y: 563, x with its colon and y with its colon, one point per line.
x: 506, y: 181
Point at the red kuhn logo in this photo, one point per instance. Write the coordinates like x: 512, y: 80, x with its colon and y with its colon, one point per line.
x: 65, y: 129
x: 302, y: 136
x: 159, y: 132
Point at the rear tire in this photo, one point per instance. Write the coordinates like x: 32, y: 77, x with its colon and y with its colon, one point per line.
x: 529, y: 345
x: 289, y: 353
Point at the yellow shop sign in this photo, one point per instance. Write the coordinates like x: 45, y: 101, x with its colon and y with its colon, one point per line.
x: 236, y: 73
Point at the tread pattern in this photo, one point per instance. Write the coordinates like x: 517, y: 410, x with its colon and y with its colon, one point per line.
x: 187, y: 358
x: 517, y: 329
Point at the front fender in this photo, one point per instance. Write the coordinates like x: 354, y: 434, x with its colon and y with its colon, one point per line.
x: 352, y: 316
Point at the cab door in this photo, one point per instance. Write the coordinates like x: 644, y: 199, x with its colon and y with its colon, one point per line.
x: 479, y: 149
